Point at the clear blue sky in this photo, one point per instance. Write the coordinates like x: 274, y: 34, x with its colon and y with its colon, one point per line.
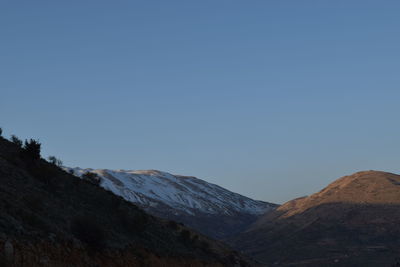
x: 271, y: 99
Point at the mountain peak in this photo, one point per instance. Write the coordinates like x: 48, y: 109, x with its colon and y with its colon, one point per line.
x: 353, y: 220
x: 364, y: 187
x: 187, y: 199
x: 185, y: 193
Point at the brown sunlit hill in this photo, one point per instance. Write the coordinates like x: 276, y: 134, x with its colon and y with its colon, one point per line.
x: 49, y: 217
x: 355, y: 221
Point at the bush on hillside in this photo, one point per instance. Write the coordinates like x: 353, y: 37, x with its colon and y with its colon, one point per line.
x: 92, y: 178
x: 185, y: 236
x: 55, y: 161
x: 173, y: 225
x: 32, y: 149
x: 204, y: 245
x: 43, y: 172
x: 136, y: 223
x: 16, y: 140
x: 88, y: 232
x: 140, y: 221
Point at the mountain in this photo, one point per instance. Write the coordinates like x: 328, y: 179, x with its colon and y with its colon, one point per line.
x: 205, y: 207
x: 49, y: 217
x: 355, y: 221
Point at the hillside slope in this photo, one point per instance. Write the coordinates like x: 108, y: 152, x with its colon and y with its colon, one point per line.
x: 355, y: 221
x: 206, y: 207
x: 51, y: 218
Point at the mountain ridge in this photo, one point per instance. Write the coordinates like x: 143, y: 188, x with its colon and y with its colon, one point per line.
x: 186, y: 199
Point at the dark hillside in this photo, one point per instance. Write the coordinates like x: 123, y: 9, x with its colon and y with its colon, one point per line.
x: 51, y: 218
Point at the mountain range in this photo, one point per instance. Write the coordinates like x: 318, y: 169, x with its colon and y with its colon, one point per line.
x: 205, y: 207
x: 49, y: 217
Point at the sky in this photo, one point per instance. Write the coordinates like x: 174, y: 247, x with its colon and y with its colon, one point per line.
x: 270, y: 99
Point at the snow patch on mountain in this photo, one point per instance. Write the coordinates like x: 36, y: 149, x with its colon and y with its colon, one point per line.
x: 152, y: 188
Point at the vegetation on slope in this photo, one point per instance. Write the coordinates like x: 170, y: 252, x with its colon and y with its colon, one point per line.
x: 49, y: 217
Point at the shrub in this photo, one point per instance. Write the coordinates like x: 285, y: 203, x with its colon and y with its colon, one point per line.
x: 140, y: 221
x: 55, y: 161
x: 185, y: 236
x: 16, y: 140
x: 1, y: 131
x: 42, y: 172
x: 33, y: 202
x: 173, y: 225
x: 195, y: 238
x: 135, y: 223
x: 92, y: 178
x: 116, y: 202
x: 32, y: 219
x: 32, y: 149
x: 88, y: 232
x: 204, y: 245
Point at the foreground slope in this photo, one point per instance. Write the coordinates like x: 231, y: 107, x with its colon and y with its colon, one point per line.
x: 355, y: 221
x: 51, y: 218
x: 206, y: 207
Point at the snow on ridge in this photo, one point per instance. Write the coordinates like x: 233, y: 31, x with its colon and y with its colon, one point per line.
x: 188, y: 194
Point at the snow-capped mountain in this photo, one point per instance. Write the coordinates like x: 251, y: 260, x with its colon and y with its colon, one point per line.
x: 183, y: 198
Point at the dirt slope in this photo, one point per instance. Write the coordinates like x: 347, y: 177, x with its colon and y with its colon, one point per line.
x: 355, y: 221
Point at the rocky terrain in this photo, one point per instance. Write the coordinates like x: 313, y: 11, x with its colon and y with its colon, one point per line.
x: 355, y: 221
x: 49, y: 217
x: 205, y: 207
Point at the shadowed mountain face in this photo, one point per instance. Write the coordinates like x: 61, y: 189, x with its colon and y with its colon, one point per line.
x: 205, y: 207
x: 51, y: 218
x: 355, y: 221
